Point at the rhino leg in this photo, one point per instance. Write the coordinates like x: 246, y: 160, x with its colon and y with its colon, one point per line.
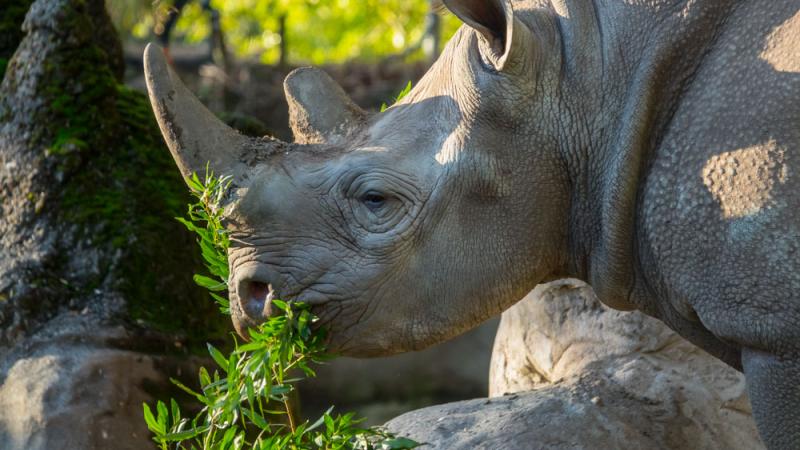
x: 774, y: 386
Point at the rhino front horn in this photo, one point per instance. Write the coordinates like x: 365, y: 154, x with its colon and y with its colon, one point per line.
x: 194, y: 135
x: 319, y: 110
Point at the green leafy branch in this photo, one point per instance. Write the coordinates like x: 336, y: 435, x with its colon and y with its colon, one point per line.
x: 204, y: 218
x: 245, y: 403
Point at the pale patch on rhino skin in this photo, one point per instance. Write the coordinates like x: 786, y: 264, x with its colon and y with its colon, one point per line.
x: 781, y: 45
x: 742, y: 181
x: 451, y: 148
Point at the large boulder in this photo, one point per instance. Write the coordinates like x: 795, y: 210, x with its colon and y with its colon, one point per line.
x: 77, y: 386
x: 568, y: 372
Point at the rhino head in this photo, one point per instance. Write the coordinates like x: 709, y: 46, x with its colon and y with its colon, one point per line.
x: 401, y: 228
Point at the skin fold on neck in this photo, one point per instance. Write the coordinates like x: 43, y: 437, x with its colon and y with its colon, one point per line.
x: 619, y: 87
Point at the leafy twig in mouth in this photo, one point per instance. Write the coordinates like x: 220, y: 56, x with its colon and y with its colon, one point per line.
x: 240, y: 396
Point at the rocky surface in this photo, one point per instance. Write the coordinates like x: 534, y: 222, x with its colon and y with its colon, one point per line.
x: 77, y: 387
x: 578, y: 375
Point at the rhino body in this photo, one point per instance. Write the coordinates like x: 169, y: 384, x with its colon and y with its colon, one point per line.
x: 648, y: 147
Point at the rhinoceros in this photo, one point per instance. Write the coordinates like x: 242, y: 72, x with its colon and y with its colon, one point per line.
x: 648, y: 147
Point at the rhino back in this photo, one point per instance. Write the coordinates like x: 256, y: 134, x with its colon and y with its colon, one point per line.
x: 719, y: 210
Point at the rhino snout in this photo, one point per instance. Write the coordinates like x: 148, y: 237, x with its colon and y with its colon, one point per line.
x: 251, y: 302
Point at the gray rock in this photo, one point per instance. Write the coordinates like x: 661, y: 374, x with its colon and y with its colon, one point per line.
x: 79, y: 398
x: 65, y: 388
x: 578, y: 375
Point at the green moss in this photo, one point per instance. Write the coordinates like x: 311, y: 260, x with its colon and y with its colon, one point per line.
x: 158, y: 279
x: 120, y: 186
x: 132, y: 190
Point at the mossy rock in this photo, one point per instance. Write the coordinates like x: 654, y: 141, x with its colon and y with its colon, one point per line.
x: 124, y: 179
x: 114, y: 182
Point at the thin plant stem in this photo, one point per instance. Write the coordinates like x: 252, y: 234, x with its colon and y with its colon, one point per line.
x: 289, y: 413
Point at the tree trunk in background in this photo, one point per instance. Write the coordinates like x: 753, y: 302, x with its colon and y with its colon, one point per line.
x: 432, y: 41
x: 283, y: 59
x: 95, y: 276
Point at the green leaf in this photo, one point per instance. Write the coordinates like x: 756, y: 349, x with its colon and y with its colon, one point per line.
x: 205, y: 380
x: 163, y: 415
x: 224, y: 304
x: 399, y: 96
x: 176, y: 411
x: 227, y: 438
x: 151, y: 421
x: 403, y: 93
x: 280, y: 390
x: 184, y: 435
x: 257, y: 419
x: 210, y: 283
x: 189, y: 225
x: 194, y: 182
x: 249, y: 347
x: 188, y: 390
x: 321, y: 420
x: 218, y: 357
x: 280, y: 304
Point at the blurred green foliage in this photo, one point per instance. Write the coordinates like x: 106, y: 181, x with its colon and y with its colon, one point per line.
x: 317, y: 31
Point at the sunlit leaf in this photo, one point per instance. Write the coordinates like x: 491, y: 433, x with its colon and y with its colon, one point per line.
x: 151, y: 421
x: 218, y: 358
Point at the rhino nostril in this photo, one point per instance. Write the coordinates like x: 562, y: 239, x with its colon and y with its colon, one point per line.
x: 256, y: 298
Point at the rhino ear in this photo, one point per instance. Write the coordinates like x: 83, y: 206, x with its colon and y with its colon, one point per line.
x: 494, y: 21
x: 319, y: 109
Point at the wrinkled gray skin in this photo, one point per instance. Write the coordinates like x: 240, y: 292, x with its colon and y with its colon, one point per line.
x: 648, y: 147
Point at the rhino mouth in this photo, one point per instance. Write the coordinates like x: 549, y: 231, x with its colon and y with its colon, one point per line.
x: 255, y: 288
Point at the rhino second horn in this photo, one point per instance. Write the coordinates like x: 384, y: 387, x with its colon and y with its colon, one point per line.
x: 194, y: 135
x: 319, y: 110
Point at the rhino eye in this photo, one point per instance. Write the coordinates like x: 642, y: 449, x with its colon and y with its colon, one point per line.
x: 373, y: 200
